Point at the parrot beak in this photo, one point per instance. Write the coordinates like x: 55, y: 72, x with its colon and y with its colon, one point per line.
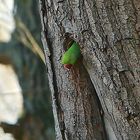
x: 67, y: 66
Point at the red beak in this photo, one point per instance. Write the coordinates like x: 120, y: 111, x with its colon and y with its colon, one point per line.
x: 67, y: 66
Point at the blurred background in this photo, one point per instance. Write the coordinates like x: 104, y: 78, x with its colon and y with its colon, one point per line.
x: 25, y: 100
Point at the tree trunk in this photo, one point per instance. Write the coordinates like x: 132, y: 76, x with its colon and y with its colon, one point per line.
x: 108, y: 33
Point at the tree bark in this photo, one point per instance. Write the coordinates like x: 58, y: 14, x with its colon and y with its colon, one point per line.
x: 108, y: 33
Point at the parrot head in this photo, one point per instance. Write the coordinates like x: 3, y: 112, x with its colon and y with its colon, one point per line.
x: 71, y: 56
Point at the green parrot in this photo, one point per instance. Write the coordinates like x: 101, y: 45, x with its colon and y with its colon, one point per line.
x: 71, y: 56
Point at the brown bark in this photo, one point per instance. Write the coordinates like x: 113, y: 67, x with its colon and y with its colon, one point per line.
x: 108, y: 34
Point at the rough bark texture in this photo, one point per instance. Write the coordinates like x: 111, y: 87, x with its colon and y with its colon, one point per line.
x: 108, y: 33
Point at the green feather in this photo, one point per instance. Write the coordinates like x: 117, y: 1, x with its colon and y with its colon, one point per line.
x: 71, y: 55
